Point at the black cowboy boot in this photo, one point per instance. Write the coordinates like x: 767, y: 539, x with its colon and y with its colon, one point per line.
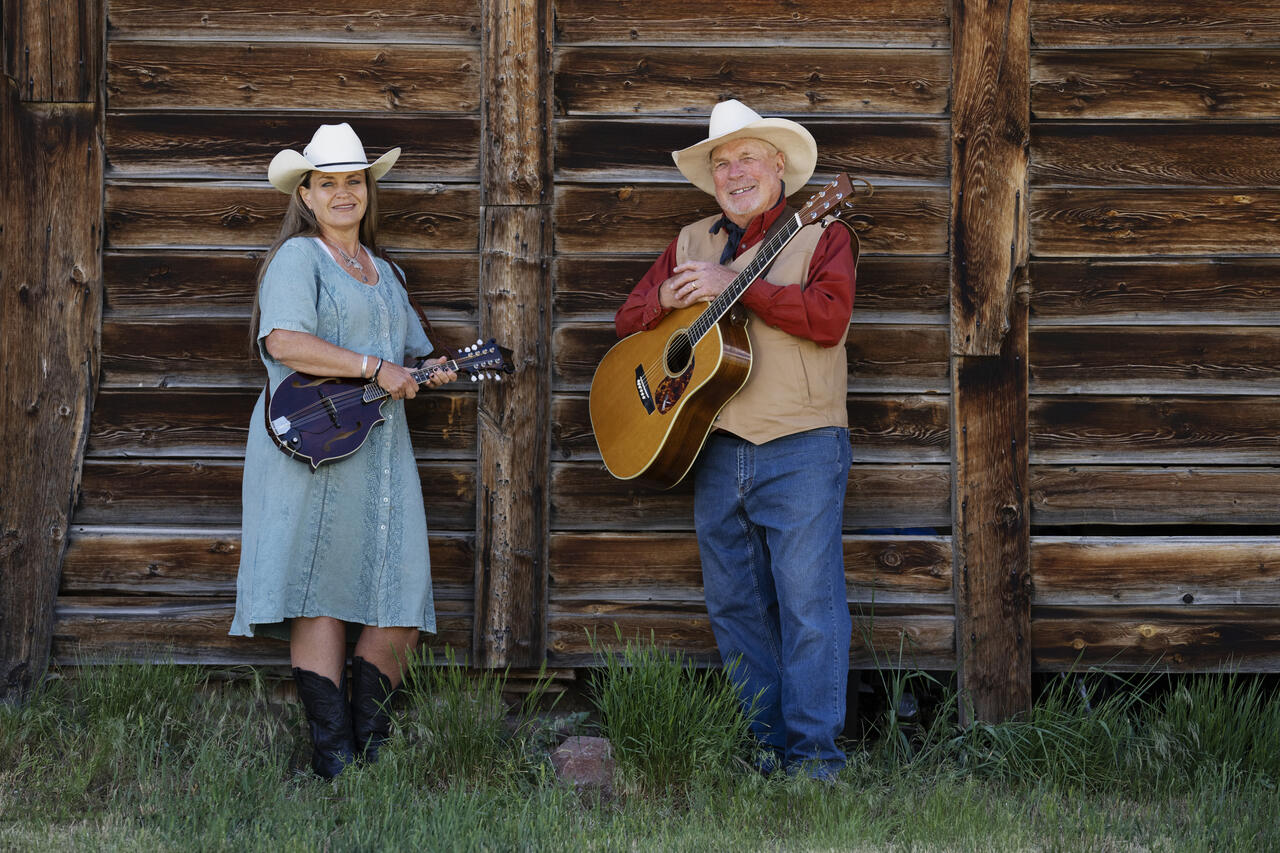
x: 329, y: 717
x: 371, y: 695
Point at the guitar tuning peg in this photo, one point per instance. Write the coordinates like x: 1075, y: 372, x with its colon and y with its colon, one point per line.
x: 497, y: 377
x: 474, y: 378
x: 479, y: 341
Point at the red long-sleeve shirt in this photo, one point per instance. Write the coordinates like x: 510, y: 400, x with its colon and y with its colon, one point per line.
x: 818, y: 312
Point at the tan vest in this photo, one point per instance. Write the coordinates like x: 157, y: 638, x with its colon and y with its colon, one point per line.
x: 795, y: 384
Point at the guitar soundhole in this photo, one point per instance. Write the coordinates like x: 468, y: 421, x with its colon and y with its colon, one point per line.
x: 679, y: 354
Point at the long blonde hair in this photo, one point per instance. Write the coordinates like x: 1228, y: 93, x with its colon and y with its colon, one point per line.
x: 299, y: 221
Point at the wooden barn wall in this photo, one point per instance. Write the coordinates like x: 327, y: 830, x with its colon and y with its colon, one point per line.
x: 1154, y: 334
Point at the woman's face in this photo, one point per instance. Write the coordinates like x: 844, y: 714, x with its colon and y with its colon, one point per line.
x: 338, y: 199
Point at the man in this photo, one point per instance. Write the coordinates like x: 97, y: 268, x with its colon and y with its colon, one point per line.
x: 770, y: 482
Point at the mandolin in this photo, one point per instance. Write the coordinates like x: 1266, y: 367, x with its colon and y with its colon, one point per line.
x: 656, y: 393
x: 316, y: 419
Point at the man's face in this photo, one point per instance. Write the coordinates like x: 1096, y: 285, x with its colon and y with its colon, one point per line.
x: 748, y: 177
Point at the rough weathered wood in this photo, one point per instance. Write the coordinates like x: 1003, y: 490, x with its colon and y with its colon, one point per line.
x: 890, y: 290
x: 1217, y: 570
x: 645, y: 218
x: 990, y: 133
x: 50, y: 303
x: 1169, y: 84
x: 277, y: 76
x: 1105, y: 23
x: 639, y: 148
x: 1219, y: 154
x: 199, y: 562
x: 243, y: 215
x: 755, y: 22
x: 1173, y: 639
x: 585, y: 497
x: 1074, y: 222
x: 1155, y: 359
x: 674, y: 80
x: 203, y: 145
x: 911, y: 359
x: 281, y: 20
x: 53, y: 49
x: 1159, y: 430
x: 515, y: 306
x: 1192, y: 291
x: 1157, y: 495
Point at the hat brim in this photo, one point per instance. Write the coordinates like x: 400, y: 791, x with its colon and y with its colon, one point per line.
x: 800, y: 153
x: 288, y: 168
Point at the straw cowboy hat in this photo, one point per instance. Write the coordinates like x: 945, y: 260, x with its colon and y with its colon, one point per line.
x: 334, y: 148
x: 735, y: 120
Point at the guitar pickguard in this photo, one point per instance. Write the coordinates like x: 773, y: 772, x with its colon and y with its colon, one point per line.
x: 672, y: 388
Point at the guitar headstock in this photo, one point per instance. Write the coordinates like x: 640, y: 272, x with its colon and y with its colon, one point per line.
x: 835, y: 199
x: 485, y: 360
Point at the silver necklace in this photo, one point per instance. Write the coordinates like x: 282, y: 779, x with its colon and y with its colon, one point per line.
x: 354, y: 263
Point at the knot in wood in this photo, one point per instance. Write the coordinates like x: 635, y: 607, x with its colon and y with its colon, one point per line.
x: 78, y: 274
x: 891, y: 559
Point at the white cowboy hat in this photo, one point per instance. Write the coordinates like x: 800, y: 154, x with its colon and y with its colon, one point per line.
x: 334, y: 148
x: 735, y: 120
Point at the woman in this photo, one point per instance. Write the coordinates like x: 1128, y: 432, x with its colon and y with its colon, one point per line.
x: 342, y: 552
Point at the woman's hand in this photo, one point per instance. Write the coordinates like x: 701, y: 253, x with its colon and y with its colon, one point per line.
x: 397, y: 381
x: 439, y: 377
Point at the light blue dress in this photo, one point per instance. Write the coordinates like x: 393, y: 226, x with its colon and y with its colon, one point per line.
x: 350, y: 540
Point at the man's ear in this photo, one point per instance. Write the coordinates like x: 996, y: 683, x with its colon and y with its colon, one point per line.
x: 782, y: 164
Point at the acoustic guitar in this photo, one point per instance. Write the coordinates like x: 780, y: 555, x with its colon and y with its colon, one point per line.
x: 316, y: 420
x: 656, y: 393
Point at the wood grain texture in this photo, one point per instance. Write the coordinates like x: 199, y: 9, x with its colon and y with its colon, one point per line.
x: 203, y: 145
x: 1159, y: 639
x: 1218, y: 154
x: 1164, y: 84
x: 585, y: 497
x: 1164, y: 495
x: 52, y: 49
x: 909, y: 359
x: 1155, y: 360
x: 50, y: 306
x: 1090, y: 222
x: 1106, y: 23
x: 168, y: 215
x: 645, y: 218
x: 762, y: 23
x: 1172, y: 571
x: 390, y: 20
x: 671, y: 80
x: 990, y: 132
x: 1081, y: 429
x: 169, y: 75
x: 638, y: 148
x: 1194, y: 291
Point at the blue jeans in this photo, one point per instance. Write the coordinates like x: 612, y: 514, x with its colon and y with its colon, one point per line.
x: 769, y: 520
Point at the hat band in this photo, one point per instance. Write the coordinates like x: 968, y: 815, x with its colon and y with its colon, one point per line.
x: 360, y: 163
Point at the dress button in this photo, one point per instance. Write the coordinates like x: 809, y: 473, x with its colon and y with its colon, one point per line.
x: 386, y: 500
x: 383, y: 526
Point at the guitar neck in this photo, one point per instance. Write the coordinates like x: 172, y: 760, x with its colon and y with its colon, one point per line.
x: 720, y: 306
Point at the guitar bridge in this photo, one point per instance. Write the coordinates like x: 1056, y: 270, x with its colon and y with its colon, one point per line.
x: 642, y: 388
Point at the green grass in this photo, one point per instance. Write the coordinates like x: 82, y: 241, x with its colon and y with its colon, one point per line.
x: 165, y: 757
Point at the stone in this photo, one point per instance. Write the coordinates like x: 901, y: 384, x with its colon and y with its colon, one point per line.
x: 586, y: 763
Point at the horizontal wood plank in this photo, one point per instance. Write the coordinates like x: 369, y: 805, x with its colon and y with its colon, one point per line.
x: 197, y: 562
x: 262, y: 75
x: 1165, y: 84
x: 1220, y: 154
x: 585, y: 497
x: 212, y: 145
x: 183, y: 493
x: 1195, y: 291
x: 1168, y: 571
x: 391, y: 20
x: 1107, y: 23
x: 672, y: 80
x: 1159, y: 430
x: 1090, y: 222
x: 90, y: 630
x: 1114, y: 494
x: 882, y: 428
x: 1159, y: 639
x: 763, y: 23
x: 881, y: 358
x: 244, y: 215
x: 639, y: 148
x: 1155, y: 360
x: 645, y: 218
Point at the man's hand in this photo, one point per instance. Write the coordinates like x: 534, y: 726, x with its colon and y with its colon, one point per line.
x: 694, y: 281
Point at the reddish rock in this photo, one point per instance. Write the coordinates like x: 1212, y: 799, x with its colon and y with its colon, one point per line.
x: 586, y: 763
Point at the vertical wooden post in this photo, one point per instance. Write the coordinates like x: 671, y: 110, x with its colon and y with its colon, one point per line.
x: 515, y: 307
x: 990, y: 137
x: 50, y: 306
